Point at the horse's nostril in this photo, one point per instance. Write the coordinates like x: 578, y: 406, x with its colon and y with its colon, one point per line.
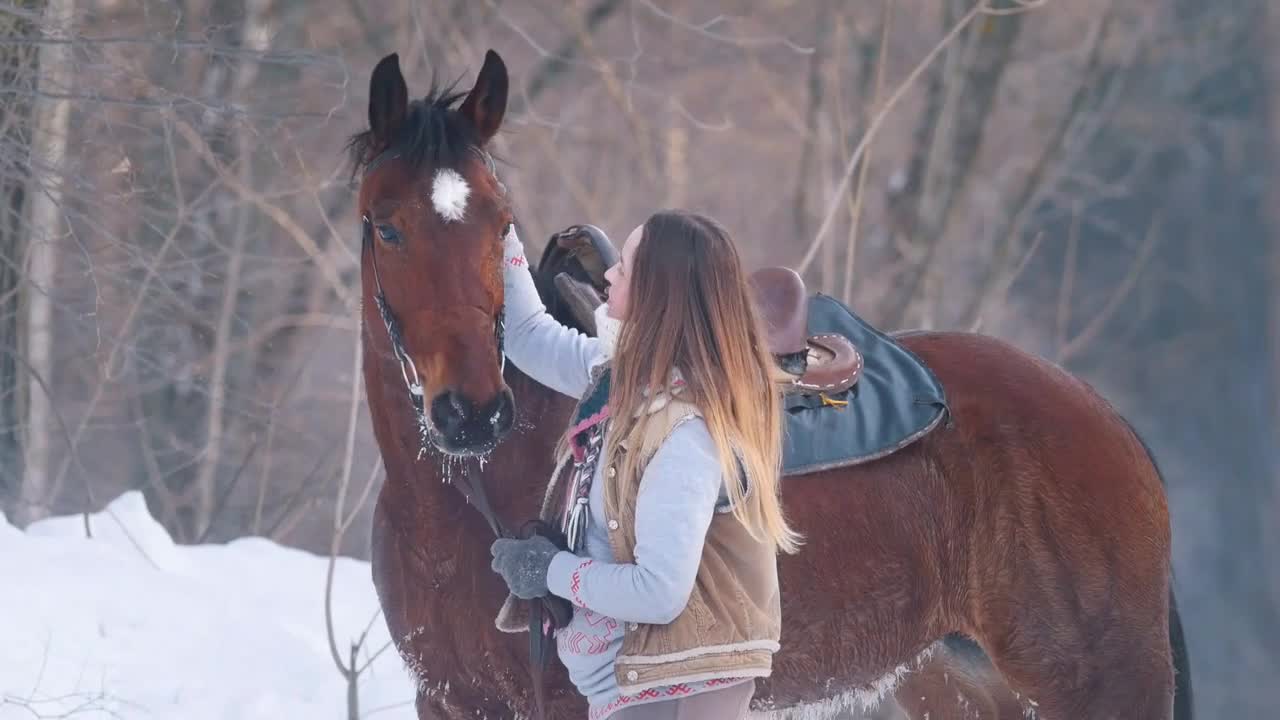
x: 449, y: 410
x: 504, y: 413
x: 462, y: 425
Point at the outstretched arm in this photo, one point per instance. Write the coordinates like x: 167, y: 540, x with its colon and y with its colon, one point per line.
x: 557, y: 356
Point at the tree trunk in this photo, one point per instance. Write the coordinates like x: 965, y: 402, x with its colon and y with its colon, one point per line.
x: 254, y: 36
x: 805, y: 173
x: 981, y: 62
x: 51, y: 118
x: 17, y: 71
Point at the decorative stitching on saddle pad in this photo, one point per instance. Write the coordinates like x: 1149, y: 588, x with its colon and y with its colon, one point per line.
x: 857, y: 368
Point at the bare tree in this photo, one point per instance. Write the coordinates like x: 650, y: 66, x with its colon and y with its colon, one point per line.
x: 974, y: 71
x: 18, y: 73
x: 51, y: 115
x: 255, y: 34
x: 351, y: 668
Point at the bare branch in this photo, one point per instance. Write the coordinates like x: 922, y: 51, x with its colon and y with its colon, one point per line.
x: 869, y: 135
x: 855, y: 209
x: 1091, y: 330
x: 339, y: 526
x: 705, y: 30
x: 1067, y: 289
x: 286, y: 222
x: 554, y: 63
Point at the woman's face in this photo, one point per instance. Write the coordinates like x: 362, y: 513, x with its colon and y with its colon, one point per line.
x: 619, y: 276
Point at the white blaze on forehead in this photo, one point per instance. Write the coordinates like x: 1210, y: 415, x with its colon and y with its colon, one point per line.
x: 449, y: 193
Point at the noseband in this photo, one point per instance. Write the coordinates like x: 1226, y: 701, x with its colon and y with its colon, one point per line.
x: 408, y: 370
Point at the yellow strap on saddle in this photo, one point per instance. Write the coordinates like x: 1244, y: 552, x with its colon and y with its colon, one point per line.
x: 828, y: 402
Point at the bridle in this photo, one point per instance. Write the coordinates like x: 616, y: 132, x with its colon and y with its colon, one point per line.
x: 408, y: 370
x: 556, y: 609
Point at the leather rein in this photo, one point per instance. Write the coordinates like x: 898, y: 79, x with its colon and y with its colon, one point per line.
x: 550, y: 611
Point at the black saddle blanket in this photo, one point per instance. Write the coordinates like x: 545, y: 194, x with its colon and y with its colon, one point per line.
x: 896, y: 401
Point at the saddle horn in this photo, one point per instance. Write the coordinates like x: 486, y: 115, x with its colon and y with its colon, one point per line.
x: 592, y: 248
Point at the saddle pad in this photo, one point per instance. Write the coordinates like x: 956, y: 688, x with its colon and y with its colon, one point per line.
x: 896, y: 401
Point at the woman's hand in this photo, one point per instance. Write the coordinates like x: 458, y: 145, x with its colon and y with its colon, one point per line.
x: 523, y: 564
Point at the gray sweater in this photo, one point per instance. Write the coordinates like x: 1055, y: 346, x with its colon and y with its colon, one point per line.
x: 679, y: 492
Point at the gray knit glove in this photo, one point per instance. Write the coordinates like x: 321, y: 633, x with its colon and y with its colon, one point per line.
x: 524, y: 564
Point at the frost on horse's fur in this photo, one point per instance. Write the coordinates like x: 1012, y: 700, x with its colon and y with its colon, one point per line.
x: 413, y: 663
x: 865, y: 698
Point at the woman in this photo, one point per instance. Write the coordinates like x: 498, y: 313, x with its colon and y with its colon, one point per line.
x: 671, y: 502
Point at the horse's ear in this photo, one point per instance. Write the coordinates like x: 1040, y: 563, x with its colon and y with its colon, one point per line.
x: 388, y: 99
x: 487, y: 101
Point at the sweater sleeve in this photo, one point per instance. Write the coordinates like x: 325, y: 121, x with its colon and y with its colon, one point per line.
x: 557, y: 356
x: 676, y: 501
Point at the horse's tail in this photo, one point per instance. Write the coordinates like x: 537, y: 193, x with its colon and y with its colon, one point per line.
x: 1181, y: 664
x: 1177, y: 640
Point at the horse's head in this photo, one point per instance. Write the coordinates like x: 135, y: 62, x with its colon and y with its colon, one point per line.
x: 433, y: 215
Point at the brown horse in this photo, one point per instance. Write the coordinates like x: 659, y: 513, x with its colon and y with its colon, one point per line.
x: 1035, y: 523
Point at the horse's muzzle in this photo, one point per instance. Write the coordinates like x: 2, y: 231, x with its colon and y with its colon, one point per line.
x: 462, y: 428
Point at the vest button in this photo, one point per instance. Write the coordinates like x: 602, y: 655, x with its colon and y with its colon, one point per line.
x: 633, y: 626
x: 613, y: 524
x: 632, y: 675
x: 612, y: 471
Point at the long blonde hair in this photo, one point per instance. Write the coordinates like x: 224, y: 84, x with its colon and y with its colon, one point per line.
x: 690, y: 307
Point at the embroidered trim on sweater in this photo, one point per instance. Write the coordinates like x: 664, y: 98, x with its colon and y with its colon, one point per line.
x: 575, y: 583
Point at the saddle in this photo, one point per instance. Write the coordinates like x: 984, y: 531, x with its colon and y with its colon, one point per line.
x: 857, y: 393
x: 820, y: 363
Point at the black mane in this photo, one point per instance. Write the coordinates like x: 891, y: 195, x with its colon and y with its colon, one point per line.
x: 433, y: 132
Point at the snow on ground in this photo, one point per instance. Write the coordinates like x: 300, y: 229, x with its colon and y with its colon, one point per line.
x: 93, y: 628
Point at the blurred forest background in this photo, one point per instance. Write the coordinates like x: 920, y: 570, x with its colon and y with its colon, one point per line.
x: 1091, y: 180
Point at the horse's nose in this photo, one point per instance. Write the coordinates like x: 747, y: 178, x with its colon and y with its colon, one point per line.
x: 450, y: 412
x: 463, y: 427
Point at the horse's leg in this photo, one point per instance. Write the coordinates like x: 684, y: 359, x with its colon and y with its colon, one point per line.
x: 1075, y: 618
x: 1063, y: 684
x: 1066, y: 555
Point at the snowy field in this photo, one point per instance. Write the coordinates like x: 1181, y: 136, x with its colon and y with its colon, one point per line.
x: 103, y: 628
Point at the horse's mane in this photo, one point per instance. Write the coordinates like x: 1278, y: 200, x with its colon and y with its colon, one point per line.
x: 432, y: 132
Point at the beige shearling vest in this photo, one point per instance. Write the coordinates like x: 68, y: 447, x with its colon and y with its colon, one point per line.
x: 731, y: 625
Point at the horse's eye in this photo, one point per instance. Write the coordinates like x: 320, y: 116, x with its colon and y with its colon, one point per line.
x: 389, y: 234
